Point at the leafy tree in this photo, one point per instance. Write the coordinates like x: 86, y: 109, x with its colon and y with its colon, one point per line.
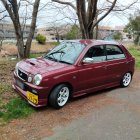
x: 74, y: 33
x: 117, y: 36
x: 133, y: 28
x: 41, y: 39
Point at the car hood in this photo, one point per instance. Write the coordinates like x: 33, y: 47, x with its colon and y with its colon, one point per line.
x: 40, y: 66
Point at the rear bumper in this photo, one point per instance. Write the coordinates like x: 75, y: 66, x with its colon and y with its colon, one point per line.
x: 41, y: 92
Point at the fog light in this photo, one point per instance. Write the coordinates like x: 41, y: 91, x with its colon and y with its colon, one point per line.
x: 34, y: 91
x: 29, y: 79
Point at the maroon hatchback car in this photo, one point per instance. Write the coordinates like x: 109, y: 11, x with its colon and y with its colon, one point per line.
x: 72, y: 69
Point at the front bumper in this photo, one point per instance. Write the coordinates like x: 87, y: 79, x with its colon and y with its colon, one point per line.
x: 41, y: 92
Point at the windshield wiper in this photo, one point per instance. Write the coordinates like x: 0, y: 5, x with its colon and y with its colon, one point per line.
x: 65, y: 62
x: 56, y: 52
x: 51, y: 58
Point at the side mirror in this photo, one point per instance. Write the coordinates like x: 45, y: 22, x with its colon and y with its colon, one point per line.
x: 88, y: 60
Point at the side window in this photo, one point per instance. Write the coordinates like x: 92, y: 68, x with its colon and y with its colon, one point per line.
x: 114, y: 52
x: 97, y: 53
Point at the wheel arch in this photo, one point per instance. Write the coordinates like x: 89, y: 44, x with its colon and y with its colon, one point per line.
x: 66, y: 83
x: 130, y: 72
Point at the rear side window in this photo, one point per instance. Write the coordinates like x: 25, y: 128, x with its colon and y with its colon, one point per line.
x: 114, y: 52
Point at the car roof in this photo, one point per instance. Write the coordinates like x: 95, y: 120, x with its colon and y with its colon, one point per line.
x: 93, y: 42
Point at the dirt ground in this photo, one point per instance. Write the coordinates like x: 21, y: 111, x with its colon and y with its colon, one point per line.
x: 103, y: 115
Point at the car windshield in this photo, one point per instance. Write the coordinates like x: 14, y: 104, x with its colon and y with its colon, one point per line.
x: 66, y: 52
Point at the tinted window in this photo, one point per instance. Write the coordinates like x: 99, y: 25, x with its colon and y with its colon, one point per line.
x: 97, y: 53
x: 114, y: 52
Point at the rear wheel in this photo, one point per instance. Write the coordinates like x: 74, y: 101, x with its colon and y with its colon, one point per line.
x: 59, y: 96
x: 126, y: 79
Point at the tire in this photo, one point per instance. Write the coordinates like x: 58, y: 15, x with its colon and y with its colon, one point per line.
x: 126, y: 79
x: 59, y: 96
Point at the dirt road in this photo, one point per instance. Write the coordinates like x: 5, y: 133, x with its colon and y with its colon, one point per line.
x: 113, y: 114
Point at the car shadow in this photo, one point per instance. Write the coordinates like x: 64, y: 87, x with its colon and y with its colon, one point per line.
x: 101, y: 93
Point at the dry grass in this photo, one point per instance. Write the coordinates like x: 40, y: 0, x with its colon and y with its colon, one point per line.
x: 35, y: 48
x: 131, y: 45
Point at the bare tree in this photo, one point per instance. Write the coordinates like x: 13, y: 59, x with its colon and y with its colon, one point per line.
x: 12, y: 7
x: 91, y: 12
x: 59, y: 30
x: 87, y: 15
x: 1, y: 36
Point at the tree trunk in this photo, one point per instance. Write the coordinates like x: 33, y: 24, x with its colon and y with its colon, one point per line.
x: 19, y: 37
x: 20, y: 47
x: 86, y: 17
x: 91, y: 34
x: 58, y: 37
x: 96, y: 31
x: 0, y: 46
x: 87, y: 33
x: 13, y: 10
x: 32, y: 29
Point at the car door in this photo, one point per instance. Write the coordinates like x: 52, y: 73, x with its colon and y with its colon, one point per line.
x: 92, y: 75
x: 116, y: 63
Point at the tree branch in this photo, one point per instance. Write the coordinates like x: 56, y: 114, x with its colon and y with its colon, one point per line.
x: 2, y: 11
x: 110, y: 9
x: 3, y: 17
x: 125, y: 7
x: 65, y: 3
x: 7, y: 7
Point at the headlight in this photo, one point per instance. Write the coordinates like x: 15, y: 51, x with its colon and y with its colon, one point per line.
x: 37, y: 79
x: 16, y: 68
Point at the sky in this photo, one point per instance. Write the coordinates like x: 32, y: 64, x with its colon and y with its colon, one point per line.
x: 121, y: 18
x: 61, y: 16
x: 56, y: 14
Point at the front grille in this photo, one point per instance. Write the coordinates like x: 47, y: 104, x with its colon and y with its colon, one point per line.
x: 22, y: 75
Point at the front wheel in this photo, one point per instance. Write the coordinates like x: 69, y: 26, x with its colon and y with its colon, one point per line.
x: 59, y: 96
x: 126, y: 79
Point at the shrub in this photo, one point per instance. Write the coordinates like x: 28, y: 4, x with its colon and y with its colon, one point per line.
x: 117, y: 36
x: 41, y: 39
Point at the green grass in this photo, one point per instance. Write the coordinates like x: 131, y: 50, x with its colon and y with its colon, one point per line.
x: 54, y: 43
x: 136, y: 53
x: 137, y: 64
x: 35, y: 55
x: 15, y: 108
